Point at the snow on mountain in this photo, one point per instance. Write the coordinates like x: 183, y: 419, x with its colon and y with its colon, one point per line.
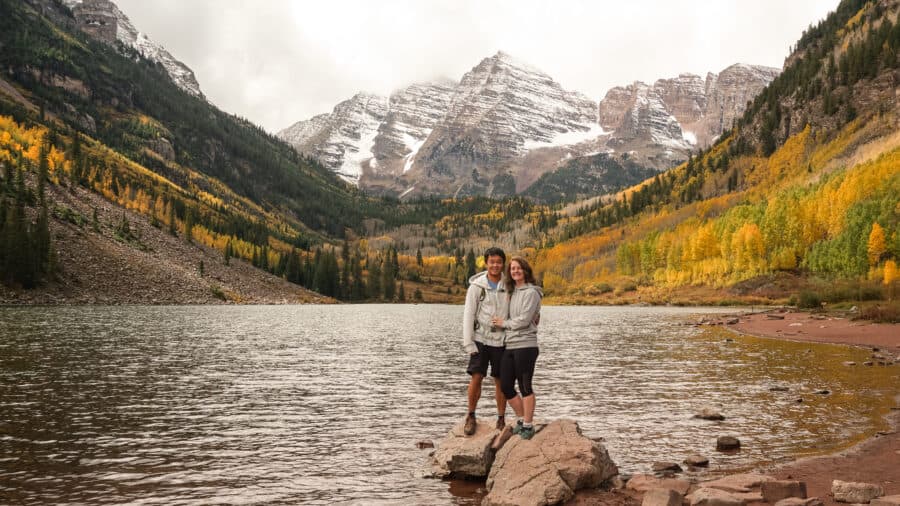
x: 104, y: 20
x: 662, y: 122
x: 506, y: 123
x: 342, y: 140
x: 505, y: 103
x: 412, y: 114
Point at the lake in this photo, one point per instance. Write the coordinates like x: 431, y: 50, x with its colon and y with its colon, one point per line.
x: 325, y: 404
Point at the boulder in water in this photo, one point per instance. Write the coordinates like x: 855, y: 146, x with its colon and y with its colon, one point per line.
x: 548, y: 468
x: 461, y: 456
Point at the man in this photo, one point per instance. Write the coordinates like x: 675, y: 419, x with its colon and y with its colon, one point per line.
x: 485, y: 299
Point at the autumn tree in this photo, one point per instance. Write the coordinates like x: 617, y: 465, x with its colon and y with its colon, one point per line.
x: 876, y: 244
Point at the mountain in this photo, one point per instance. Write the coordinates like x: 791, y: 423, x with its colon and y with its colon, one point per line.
x: 106, y: 163
x: 680, y: 114
x: 798, y: 200
x: 506, y: 125
x: 343, y: 139
x: 103, y: 20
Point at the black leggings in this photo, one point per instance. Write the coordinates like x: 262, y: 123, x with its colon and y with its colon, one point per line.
x: 517, y: 365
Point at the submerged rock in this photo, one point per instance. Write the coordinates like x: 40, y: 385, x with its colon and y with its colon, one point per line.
x: 727, y: 443
x: 662, y: 467
x: 548, y: 468
x: 709, y: 414
x: 697, y: 461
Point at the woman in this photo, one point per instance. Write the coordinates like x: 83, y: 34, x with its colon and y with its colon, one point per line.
x: 517, y: 364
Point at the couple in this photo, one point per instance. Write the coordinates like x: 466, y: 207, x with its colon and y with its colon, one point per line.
x: 500, y: 330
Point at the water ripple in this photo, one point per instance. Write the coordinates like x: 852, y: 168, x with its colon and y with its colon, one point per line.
x: 324, y: 404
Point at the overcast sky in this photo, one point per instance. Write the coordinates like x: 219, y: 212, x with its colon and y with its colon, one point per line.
x: 280, y: 61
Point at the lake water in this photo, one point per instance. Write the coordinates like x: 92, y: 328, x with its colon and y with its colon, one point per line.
x: 325, y: 404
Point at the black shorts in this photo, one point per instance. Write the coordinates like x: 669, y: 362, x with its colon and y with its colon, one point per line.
x: 478, y: 363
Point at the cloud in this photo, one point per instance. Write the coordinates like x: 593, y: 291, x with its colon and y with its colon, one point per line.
x: 280, y: 61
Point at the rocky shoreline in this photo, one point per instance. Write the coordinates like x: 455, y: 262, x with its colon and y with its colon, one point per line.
x: 561, y: 466
x: 867, y: 473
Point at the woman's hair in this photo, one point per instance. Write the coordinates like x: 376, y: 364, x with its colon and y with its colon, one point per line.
x: 526, y: 268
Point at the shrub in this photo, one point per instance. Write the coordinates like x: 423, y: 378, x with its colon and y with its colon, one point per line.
x: 881, y: 313
x: 809, y: 300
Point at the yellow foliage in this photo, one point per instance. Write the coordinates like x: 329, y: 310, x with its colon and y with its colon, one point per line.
x: 876, y: 244
x: 891, y: 273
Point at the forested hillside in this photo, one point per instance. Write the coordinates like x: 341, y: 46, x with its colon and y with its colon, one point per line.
x: 76, y: 113
x: 806, y: 184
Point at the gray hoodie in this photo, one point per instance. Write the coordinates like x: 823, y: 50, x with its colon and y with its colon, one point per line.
x: 478, y: 312
x: 524, y: 305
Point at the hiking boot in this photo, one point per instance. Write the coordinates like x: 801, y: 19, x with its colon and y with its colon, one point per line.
x: 517, y: 428
x: 470, y: 426
x: 526, y: 432
x: 501, y: 422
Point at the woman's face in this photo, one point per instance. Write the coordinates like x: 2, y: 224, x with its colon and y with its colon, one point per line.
x: 516, y: 272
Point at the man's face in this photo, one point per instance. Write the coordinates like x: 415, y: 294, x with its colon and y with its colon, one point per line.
x: 494, y: 265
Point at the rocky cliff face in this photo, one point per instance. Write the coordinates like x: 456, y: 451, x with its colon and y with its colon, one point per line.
x: 103, y: 20
x: 502, y: 110
x: 507, y: 124
x: 451, y: 139
x: 661, y: 123
x: 343, y: 139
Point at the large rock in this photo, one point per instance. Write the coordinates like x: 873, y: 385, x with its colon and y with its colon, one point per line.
x: 852, y: 492
x: 662, y: 497
x: 548, y: 468
x: 461, y: 456
x: 797, y: 501
x: 774, y: 491
x: 714, y: 497
x: 645, y: 482
x: 738, y: 482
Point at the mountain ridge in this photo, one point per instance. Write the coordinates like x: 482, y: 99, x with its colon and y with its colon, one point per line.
x: 496, y: 132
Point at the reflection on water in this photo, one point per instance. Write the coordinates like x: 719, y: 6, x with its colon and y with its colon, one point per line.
x: 324, y: 404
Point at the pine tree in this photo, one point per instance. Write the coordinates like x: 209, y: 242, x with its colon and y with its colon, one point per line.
x: 170, y: 212
x: 374, y: 280
x: 419, y: 261
x: 188, y: 225
x: 387, y: 279
x: 401, y: 293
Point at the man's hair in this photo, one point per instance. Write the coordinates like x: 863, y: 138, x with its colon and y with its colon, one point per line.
x: 494, y: 251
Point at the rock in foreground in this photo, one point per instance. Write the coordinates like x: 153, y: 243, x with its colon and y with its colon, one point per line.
x: 851, y: 492
x: 461, y: 456
x: 549, y: 468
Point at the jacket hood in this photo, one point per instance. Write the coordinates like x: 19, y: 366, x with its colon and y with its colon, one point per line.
x: 480, y: 279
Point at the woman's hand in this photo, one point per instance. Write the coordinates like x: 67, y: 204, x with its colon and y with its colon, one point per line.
x: 497, y: 322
